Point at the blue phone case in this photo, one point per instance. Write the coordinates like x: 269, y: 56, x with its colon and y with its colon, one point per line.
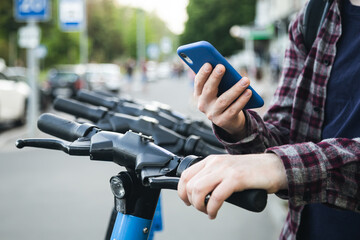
x: 196, y: 54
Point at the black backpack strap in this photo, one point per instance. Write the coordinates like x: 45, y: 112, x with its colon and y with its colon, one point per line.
x: 314, y: 16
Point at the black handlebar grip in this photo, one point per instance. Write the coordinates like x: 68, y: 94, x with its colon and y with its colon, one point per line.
x: 79, y: 109
x: 196, y: 146
x: 62, y: 128
x: 94, y: 99
x: 254, y: 200
x: 206, y: 134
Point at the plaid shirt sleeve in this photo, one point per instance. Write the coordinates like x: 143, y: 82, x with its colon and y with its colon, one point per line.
x: 275, y: 129
x: 318, y: 171
x: 325, y: 172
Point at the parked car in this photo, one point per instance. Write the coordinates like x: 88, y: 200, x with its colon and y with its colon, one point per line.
x: 103, y: 77
x: 65, y: 81
x: 14, y: 94
x: 158, y: 70
x: 19, y: 74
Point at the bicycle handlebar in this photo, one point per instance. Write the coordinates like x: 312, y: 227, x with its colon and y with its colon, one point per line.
x: 133, y: 151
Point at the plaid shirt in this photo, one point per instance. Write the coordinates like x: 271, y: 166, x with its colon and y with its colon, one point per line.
x: 318, y: 171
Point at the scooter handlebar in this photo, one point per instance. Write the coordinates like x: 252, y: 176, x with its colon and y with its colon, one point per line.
x: 62, y: 128
x: 95, y: 99
x: 79, y: 109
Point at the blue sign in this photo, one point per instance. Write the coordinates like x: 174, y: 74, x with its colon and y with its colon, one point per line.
x: 71, y: 15
x: 32, y: 10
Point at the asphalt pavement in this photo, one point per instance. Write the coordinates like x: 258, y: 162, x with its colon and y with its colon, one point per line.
x: 46, y: 194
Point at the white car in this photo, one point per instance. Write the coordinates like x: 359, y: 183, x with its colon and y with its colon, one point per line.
x: 14, y: 93
x: 104, y: 77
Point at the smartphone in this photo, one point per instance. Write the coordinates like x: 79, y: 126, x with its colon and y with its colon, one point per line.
x: 196, y: 54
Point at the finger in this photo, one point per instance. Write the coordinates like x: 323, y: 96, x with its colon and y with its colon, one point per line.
x: 217, y: 198
x: 200, y: 187
x: 186, y: 176
x: 212, y: 84
x: 228, y: 97
x: 235, y: 108
x: 201, y: 78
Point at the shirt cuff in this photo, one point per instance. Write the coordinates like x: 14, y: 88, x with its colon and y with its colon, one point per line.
x: 306, y: 175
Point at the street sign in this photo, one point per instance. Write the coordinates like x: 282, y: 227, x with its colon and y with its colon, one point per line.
x: 153, y: 51
x: 29, y: 36
x: 41, y: 51
x: 38, y: 10
x: 71, y: 15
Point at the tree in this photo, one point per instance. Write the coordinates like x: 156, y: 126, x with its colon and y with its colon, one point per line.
x: 111, y: 32
x: 211, y: 20
x: 8, y: 28
x: 105, y: 31
x: 61, y: 46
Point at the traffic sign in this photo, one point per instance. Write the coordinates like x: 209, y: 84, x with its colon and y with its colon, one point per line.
x: 71, y: 15
x: 41, y: 51
x: 38, y: 10
x: 29, y: 36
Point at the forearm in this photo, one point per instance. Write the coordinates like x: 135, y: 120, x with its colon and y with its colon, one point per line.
x: 258, y: 136
x: 326, y: 172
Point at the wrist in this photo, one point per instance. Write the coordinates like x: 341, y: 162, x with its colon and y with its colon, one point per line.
x: 279, y: 173
x: 239, y: 131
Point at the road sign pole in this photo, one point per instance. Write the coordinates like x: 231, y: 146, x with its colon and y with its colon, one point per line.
x: 29, y: 37
x: 84, y: 54
x: 33, y: 104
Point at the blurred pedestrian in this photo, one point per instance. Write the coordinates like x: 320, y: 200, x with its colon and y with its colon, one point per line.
x: 129, y: 67
x: 144, y: 77
x: 275, y: 66
x: 307, y: 146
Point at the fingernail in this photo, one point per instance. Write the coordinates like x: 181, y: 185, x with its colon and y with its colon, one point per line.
x: 244, y: 82
x: 207, y: 68
x: 219, y: 69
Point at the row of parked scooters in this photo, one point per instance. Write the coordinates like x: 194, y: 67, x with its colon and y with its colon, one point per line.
x: 151, y: 141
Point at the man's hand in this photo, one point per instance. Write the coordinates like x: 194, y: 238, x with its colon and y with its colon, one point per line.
x: 222, y: 175
x: 224, y: 111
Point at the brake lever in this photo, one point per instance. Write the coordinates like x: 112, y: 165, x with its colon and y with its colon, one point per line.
x: 163, y: 182
x: 251, y: 199
x: 80, y: 147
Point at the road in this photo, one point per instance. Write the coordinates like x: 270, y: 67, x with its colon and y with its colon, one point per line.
x: 46, y: 194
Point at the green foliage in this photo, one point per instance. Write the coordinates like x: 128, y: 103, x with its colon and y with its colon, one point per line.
x: 111, y: 33
x: 63, y: 47
x: 8, y: 27
x: 155, y: 29
x: 7, y: 21
x: 104, y: 31
x: 211, y: 20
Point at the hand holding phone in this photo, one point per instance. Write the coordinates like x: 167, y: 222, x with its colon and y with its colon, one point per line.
x: 196, y: 54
